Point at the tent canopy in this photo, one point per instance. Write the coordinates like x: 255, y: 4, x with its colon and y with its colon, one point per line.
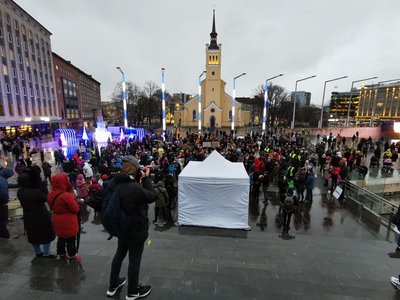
x: 214, y: 193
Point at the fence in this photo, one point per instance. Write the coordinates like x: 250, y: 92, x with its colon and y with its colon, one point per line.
x: 369, y: 206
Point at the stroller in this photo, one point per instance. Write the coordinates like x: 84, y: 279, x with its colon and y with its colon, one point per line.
x: 374, y: 162
x: 387, y: 166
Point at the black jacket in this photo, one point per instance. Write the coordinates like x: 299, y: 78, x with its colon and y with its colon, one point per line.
x: 37, y: 219
x: 134, y: 198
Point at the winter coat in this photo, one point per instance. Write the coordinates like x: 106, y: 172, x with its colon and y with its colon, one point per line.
x: 310, y: 181
x: 65, y: 207
x: 134, y: 198
x: 94, y: 186
x: 37, y: 218
x: 4, y: 185
x: 162, y: 195
x: 81, y: 186
x: 46, y: 169
x: 300, y: 182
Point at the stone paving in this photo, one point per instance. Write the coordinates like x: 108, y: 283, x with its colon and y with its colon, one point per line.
x: 331, y: 256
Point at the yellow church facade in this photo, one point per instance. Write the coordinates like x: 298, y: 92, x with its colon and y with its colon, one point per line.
x: 216, y: 104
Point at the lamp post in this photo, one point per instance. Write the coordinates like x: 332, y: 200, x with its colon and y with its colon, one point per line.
x: 233, y: 101
x: 164, y: 125
x: 266, y: 102
x: 294, y: 98
x: 351, y: 97
x: 323, y: 98
x: 124, y: 97
x: 199, y: 106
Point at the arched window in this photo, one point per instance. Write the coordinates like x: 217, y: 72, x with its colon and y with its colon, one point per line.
x: 216, y: 58
x: 194, y: 114
x: 230, y: 115
x: 209, y: 58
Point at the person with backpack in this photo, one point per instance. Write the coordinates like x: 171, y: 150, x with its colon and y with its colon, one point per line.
x: 288, y: 205
x: 161, y: 202
x: 124, y: 215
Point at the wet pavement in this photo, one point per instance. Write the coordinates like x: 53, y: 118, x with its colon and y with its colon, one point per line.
x: 331, y: 255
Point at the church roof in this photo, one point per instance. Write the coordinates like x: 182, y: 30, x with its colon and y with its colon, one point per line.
x: 213, y: 44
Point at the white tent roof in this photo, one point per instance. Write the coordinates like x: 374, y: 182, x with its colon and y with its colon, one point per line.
x: 214, y: 166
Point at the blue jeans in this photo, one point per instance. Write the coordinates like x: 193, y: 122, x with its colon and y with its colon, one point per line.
x: 38, y: 249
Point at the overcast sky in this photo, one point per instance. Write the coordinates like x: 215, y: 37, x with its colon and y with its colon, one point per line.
x: 260, y: 37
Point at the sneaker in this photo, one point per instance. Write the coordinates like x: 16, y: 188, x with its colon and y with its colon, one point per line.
x: 143, y: 291
x: 111, y: 291
x: 76, y: 257
x: 393, y: 280
x: 62, y: 257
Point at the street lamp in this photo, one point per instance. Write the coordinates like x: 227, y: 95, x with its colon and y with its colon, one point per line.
x: 351, y: 96
x: 266, y: 102
x: 294, y: 98
x: 199, y: 106
x: 164, y: 125
x: 233, y: 100
x: 124, y: 97
x: 323, y: 98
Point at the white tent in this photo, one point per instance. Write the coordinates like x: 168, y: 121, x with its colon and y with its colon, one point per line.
x: 214, y: 193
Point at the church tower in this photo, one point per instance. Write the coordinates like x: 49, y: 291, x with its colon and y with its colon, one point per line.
x: 213, y: 69
x: 216, y: 104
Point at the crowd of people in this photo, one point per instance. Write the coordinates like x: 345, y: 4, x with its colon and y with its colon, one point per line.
x: 290, y: 161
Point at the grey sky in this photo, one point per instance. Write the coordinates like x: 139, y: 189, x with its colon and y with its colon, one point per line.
x: 261, y: 37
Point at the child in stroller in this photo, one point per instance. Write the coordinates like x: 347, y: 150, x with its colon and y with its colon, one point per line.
x: 387, y: 166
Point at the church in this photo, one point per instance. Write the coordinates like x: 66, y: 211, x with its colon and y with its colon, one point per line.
x: 216, y: 105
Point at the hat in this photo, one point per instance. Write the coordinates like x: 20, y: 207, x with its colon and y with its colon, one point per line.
x: 104, y: 177
x: 132, y: 160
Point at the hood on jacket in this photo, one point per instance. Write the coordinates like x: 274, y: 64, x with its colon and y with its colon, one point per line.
x: 80, y: 178
x: 6, y: 172
x: 60, y: 182
x: 24, y: 180
x: 160, y: 184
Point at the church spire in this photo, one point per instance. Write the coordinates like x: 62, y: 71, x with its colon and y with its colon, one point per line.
x: 213, y: 34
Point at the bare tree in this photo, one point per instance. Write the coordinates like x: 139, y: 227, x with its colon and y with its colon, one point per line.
x: 277, y: 96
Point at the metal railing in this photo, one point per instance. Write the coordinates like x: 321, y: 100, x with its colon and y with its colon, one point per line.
x: 383, y: 208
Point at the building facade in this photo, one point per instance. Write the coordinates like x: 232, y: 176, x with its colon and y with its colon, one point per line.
x: 216, y: 104
x: 339, y: 107
x: 90, y: 98
x: 302, y: 98
x: 78, y: 94
x: 379, y: 103
x: 27, y: 95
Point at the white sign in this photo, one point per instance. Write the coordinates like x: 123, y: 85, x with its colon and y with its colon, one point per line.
x: 338, y: 192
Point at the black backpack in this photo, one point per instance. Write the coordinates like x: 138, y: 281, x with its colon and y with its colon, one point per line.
x: 96, y: 199
x: 113, y: 218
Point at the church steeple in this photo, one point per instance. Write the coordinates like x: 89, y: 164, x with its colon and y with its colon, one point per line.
x: 213, y: 34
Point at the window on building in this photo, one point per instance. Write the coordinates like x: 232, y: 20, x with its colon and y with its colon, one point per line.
x: 8, y: 88
x: 19, y: 58
x: 24, y: 91
x: 5, y: 70
x: 16, y: 90
x: 29, y: 77
x: 9, y: 37
x: 16, y: 24
x: 230, y: 115
x: 1, y: 32
x: 1, y: 108
x: 8, y: 19
x: 2, y: 50
x: 194, y: 115
x: 11, y: 108
x: 14, y: 73
x: 31, y: 92
x: 18, y: 43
